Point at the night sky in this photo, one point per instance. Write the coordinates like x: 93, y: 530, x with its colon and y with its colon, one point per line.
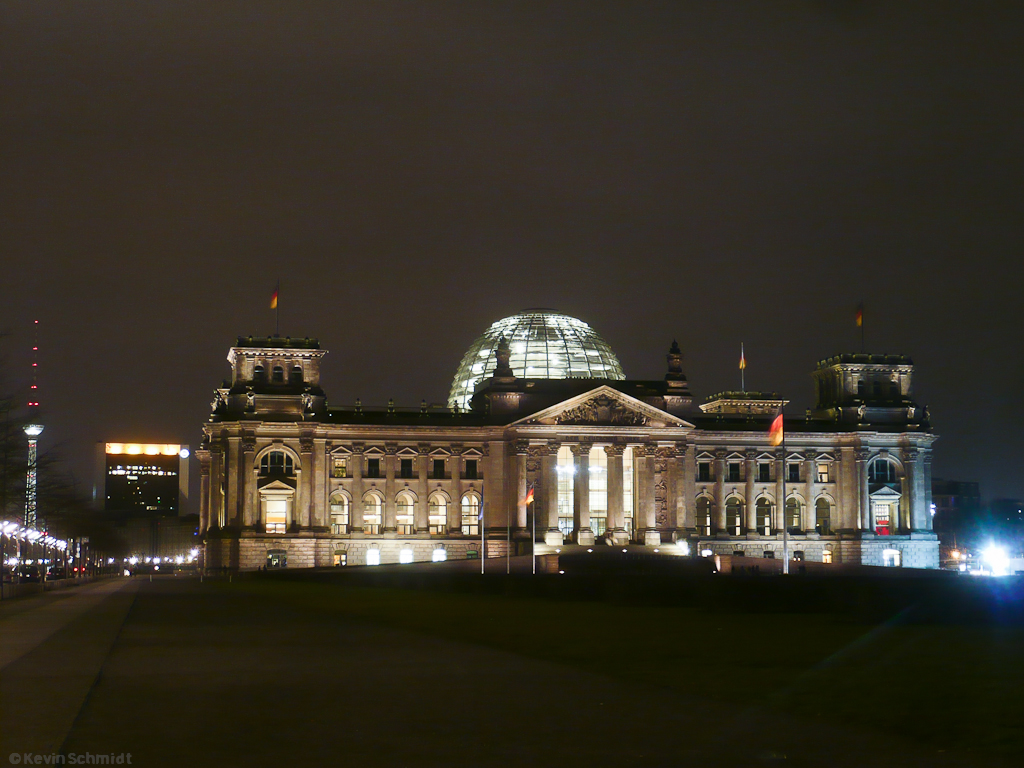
x: 713, y: 172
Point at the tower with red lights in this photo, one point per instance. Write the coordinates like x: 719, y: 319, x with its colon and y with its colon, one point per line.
x: 32, y: 430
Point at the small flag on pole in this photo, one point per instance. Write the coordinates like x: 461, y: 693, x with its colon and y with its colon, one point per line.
x: 529, y: 497
x: 273, y: 300
x: 743, y: 359
x: 775, y: 433
x: 860, y: 315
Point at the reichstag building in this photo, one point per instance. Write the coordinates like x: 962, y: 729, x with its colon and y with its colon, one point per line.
x: 545, y: 434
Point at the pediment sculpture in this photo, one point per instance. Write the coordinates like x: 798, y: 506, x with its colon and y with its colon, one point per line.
x: 602, y: 410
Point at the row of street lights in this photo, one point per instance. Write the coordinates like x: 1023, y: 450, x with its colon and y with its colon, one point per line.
x: 24, y: 536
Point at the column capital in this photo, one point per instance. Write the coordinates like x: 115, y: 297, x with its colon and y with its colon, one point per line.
x: 750, y: 454
x: 680, y: 450
x: 810, y: 455
x: 390, y: 449
x: 911, y: 454
x: 358, y: 448
x: 720, y: 454
x: 249, y: 444
x: 305, y: 443
x: 614, y: 450
x: 861, y: 454
x: 423, y: 449
x: 521, y: 447
x: 581, y: 449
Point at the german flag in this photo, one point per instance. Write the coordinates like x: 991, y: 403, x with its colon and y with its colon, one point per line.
x: 775, y: 433
x: 860, y: 315
x: 273, y: 300
x: 529, y: 497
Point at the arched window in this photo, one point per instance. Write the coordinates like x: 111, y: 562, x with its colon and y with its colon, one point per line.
x: 566, y: 489
x: 339, y: 513
x: 471, y: 515
x: 278, y: 374
x: 823, y: 516
x: 437, y: 514
x: 296, y: 375
x: 882, y: 470
x: 258, y: 372
x: 598, y: 491
x: 702, y: 516
x: 404, y: 517
x: 734, y: 516
x: 372, y: 507
x: 793, y: 514
x: 277, y: 463
x: 763, y: 509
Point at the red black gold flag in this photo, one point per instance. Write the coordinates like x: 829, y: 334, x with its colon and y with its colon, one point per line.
x: 775, y: 432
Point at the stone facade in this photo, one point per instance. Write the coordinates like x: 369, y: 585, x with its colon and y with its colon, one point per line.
x: 288, y: 481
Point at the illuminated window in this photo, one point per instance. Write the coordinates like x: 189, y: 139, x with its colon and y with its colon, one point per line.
x: 339, y: 513
x: 881, y: 511
x: 372, y: 507
x: 823, y: 516
x: 823, y: 472
x: 404, y: 516
x: 734, y: 516
x: 277, y: 515
x: 471, y: 515
x: 826, y: 556
x: 702, y: 516
x: 892, y: 558
x: 566, y: 489
x: 763, y: 510
x: 277, y: 463
x: 439, y: 555
x: 340, y: 557
x: 276, y: 558
x: 340, y: 468
x: 793, y: 514
x: 373, y: 557
x: 598, y: 490
x: 437, y: 514
x: 628, y: 485
x: 405, y: 555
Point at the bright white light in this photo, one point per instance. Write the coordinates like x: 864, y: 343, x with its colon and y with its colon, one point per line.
x: 373, y: 557
x: 156, y: 559
x: 183, y: 453
x: 179, y: 560
x: 194, y: 552
x: 684, y: 546
x: 997, y: 560
x: 706, y: 553
x: 405, y: 556
x: 589, y: 550
x: 156, y: 567
x: 127, y: 572
x: 133, y: 560
x: 439, y: 555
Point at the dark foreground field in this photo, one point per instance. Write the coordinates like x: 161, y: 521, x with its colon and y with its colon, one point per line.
x: 411, y: 668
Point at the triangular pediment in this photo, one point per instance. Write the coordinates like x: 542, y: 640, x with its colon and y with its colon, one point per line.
x: 604, y: 407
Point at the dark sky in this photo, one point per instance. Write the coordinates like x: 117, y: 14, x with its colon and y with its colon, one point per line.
x: 713, y: 172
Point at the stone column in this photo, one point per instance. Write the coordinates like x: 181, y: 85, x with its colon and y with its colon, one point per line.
x: 422, y: 489
x: 390, y: 502
x: 216, y: 487
x: 232, y: 497
x: 549, y: 481
x: 250, y: 512
x: 615, y: 515
x: 455, y: 510
x: 810, y: 477
x: 647, y: 513
x: 719, y: 521
x: 926, y: 463
x: 581, y: 494
x: 204, y: 490
x: 916, y: 512
x: 319, y: 504
x: 356, y: 462
x: 495, y: 485
x: 521, y: 451
x: 304, y: 483
x: 780, y: 490
x: 688, y: 459
x: 864, y: 497
x: 750, y: 467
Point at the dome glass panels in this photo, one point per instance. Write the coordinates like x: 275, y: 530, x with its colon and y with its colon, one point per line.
x: 544, y: 344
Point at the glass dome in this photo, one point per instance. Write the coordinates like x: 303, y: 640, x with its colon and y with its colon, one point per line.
x: 545, y: 345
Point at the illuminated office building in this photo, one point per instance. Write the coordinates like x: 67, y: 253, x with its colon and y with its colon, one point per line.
x: 540, y: 402
x: 139, y: 478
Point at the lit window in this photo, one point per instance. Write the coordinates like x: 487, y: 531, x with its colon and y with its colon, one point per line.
x: 339, y: 513
x: 566, y: 490
x: 823, y: 472
x: 702, y: 516
x: 372, y: 513
x: 826, y: 556
x: 793, y: 514
x: 823, y: 516
x: 439, y: 555
x: 277, y: 515
x: 734, y: 516
x: 373, y: 557
x: 892, y: 558
x: 340, y: 468
x: 763, y: 510
x: 404, y: 515
x: 598, y: 491
x: 470, y: 515
x: 437, y: 514
x: 628, y: 515
x: 405, y: 555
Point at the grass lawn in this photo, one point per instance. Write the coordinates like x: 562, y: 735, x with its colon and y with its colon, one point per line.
x: 952, y: 686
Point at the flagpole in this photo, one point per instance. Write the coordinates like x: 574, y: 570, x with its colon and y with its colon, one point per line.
x: 483, y: 544
x: 785, y: 511
x: 508, y: 538
x: 743, y: 369
x: 277, y: 309
x: 533, y: 547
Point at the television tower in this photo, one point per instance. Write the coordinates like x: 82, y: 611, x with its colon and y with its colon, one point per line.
x: 32, y: 430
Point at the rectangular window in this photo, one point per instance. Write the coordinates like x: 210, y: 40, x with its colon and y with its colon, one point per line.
x: 438, y: 469
x: 373, y: 467
x: 826, y: 556
x: 277, y: 515
x: 704, y: 471
x: 471, y: 469
x: 405, y: 468
x: 794, y: 473
x: 823, y: 472
x: 340, y: 468
x: 734, y: 471
x: 764, y: 472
